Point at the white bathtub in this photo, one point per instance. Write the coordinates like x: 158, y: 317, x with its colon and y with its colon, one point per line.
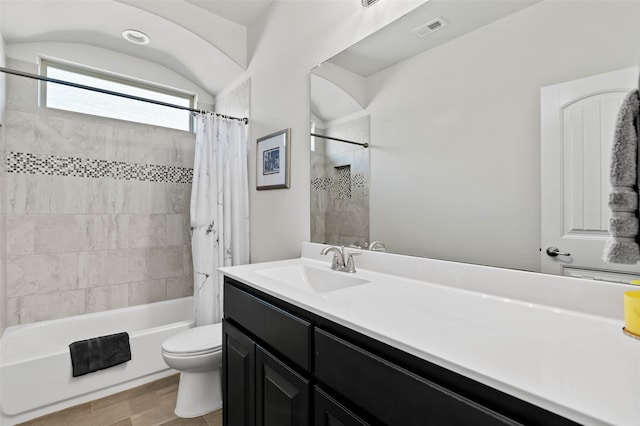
x: 35, y: 364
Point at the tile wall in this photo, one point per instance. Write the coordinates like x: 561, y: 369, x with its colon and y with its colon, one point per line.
x: 97, y: 210
x: 3, y: 239
x: 3, y: 284
x: 319, y: 187
x: 340, y: 185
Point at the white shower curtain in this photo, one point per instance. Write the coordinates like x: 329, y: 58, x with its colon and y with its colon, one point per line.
x: 219, y: 209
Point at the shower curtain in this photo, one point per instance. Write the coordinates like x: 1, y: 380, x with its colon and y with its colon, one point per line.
x: 219, y: 209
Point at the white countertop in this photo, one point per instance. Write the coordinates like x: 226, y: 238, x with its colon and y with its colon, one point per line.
x: 563, y: 350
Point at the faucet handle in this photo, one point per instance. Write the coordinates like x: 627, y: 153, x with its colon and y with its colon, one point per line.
x: 335, y: 264
x: 350, y: 265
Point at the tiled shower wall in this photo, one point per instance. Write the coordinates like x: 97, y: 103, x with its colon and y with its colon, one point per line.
x: 319, y: 190
x: 340, y: 185
x: 3, y: 233
x: 3, y: 284
x: 97, y: 210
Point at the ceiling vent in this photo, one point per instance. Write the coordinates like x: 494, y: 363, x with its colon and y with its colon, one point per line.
x: 367, y: 3
x: 428, y: 28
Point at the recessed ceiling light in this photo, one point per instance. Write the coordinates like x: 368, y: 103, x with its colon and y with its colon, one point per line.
x: 136, y: 37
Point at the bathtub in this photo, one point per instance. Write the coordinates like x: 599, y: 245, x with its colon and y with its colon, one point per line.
x: 35, y: 364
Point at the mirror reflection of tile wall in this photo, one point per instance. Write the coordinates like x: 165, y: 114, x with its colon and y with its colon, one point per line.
x: 340, y: 185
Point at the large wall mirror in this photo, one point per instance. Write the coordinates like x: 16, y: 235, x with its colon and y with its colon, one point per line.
x: 456, y: 119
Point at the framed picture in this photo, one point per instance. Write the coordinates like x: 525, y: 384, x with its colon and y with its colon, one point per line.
x: 273, y: 160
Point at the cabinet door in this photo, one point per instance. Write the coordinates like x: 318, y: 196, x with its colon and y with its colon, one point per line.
x: 329, y: 412
x: 282, y: 395
x: 238, y: 377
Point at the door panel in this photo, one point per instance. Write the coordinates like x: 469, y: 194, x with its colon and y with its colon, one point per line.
x: 578, y: 121
x: 238, y: 354
x: 282, y: 395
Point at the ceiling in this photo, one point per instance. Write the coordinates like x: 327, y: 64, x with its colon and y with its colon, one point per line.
x: 206, y: 40
x: 242, y: 12
x: 396, y: 42
x: 203, y: 40
x: 344, y: 75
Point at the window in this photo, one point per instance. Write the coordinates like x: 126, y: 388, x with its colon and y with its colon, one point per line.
x: 89, y: 102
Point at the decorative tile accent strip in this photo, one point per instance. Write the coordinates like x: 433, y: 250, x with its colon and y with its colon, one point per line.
x: 321, y: 183
x: 326, y: 183
x: 344, y: 182
x: 36, y: 164
x: 357, y: 180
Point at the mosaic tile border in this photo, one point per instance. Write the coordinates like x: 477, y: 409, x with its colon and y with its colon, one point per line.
x: 322, y: 183
x: 358, y: 181
x: 344, y: 182
x: 326, y: 183
x: 36, y: 164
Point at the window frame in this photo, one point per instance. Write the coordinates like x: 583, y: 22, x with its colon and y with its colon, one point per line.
x: 46, y: 63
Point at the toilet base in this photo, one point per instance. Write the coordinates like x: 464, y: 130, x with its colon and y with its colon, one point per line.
x: 199, y: 393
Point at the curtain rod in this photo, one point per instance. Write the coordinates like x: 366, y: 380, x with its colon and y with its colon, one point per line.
x: 109, y: 92
x: 366, y: 145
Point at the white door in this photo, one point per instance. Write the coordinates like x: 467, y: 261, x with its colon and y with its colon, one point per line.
x: 578, y: 121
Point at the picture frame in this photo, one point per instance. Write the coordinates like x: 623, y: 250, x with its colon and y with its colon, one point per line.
x: 273, y: 161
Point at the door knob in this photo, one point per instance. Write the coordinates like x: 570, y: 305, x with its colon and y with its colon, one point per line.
x: 555, y: 251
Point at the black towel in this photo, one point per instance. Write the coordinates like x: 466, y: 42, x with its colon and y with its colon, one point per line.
x: 99, y: 353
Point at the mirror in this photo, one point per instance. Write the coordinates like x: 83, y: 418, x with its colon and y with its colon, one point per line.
x: 453, y: 118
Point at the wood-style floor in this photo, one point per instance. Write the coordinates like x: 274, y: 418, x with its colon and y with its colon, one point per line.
x: 151, y: 404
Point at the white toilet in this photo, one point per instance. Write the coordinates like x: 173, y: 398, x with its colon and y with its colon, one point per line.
x: 197, y: 354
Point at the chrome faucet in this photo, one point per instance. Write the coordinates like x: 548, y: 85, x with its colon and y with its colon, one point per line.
x: 338, y: 257
x: 377, y: 246
x: 339, y: 263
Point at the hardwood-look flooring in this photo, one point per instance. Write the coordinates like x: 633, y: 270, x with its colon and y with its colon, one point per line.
x: 151, y: 404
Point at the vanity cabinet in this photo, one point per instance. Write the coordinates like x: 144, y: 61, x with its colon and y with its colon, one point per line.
x: 287, y: 366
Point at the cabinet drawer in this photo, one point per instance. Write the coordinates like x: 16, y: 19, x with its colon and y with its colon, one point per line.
x: 284, y: 333
x: 393, y: 395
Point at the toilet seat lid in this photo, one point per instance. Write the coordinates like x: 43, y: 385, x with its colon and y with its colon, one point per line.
x: 205, y: 338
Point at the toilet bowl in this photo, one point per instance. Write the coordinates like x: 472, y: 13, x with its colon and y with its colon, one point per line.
x: 197, y: 354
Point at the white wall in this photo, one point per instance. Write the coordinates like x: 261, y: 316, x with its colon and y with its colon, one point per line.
x: 464, y: 184
x: 284, y: 44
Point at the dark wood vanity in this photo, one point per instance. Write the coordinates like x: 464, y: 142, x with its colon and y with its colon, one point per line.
x: 284, y: 366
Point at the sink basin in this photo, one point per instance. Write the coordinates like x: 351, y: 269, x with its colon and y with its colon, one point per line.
x: 312, y: 279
